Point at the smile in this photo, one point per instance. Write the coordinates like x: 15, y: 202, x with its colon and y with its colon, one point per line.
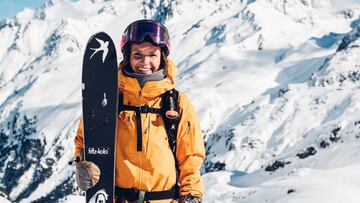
x: 143, y: 69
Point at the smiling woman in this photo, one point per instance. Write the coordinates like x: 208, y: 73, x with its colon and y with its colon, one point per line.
x: 159, y: 143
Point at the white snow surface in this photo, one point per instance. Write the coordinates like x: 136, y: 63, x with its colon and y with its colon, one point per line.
x: 276, y: 85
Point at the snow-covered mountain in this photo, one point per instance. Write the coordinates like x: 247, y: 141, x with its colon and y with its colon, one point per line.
x: 276, y: 84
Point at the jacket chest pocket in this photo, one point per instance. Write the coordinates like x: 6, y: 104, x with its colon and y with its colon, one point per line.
x: 126, y: 134
x: 127, y: 119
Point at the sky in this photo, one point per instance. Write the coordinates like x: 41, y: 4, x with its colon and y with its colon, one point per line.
x: 10, y: 8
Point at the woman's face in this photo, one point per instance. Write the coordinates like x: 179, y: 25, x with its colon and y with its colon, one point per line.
x: 145, y: 58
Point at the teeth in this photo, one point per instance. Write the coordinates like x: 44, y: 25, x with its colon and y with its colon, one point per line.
x: 144, y: 69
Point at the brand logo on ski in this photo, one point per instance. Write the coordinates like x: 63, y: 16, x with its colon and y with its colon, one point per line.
x: 98, y: 151
x: 103, y: 47
x: 100, y: 197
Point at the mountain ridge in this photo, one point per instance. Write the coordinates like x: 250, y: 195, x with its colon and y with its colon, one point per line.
x: 276, y: 85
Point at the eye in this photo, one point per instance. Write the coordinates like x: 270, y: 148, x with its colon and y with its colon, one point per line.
x: 137, y: 55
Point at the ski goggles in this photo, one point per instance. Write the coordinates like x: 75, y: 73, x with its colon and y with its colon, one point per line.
x: 137, y: 31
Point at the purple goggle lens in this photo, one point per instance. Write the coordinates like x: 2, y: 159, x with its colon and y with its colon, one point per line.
x: 138, y: 30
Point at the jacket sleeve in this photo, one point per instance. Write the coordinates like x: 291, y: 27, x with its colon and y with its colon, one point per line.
x: 79, y: 139
x: 190, y: 151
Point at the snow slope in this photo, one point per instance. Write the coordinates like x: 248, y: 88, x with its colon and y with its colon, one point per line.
x: 276, y: 85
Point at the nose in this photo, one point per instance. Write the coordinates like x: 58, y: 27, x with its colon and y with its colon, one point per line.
x: 145, y: 60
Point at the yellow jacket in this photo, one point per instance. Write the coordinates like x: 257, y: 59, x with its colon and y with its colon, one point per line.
x: 153, y: 169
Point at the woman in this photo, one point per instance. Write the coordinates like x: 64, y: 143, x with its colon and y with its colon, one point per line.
x: 145, y: 162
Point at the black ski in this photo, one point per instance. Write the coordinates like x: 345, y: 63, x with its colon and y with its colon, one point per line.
x: 100, y: 101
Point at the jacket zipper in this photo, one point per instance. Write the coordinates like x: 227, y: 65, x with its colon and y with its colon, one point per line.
x: 139, y: 96
x: 187, y: 133
x: 188, y: 128
x: 128, y: 124
x: 147, y: 132
x: 139, y: 153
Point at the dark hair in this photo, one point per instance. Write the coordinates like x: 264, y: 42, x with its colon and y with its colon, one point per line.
x: 125, y: 63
